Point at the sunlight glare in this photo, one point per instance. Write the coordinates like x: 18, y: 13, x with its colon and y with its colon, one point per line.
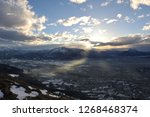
x: 99, y: 36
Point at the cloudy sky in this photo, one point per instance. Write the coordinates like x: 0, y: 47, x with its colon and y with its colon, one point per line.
x: 39, y: 22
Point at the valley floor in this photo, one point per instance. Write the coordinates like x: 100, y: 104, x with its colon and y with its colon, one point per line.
x: 101, y: 79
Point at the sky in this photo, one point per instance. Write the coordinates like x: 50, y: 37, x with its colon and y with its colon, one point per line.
x: 43, y: 22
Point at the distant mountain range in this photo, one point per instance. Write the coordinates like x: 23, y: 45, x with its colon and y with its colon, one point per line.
x: 116, y: 53
x: 59, y: 53
x: 63, y: 53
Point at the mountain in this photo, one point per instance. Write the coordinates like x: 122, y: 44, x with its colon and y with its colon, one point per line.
x: 64, y: 53
x: 143, y: 47
x: 133, y: 52
x: 59, y: 53
x: 15, y: 85
x: 116, y: 53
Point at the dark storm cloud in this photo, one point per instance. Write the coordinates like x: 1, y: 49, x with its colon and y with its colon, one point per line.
x: 128, y: 40
x: 14, y: 35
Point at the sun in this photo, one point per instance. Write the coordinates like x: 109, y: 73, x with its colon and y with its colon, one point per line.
x: 99, y: 36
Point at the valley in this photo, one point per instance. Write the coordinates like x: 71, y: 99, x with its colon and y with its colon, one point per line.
x: 105, y: 78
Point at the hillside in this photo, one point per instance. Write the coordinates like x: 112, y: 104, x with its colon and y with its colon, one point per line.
x: 14, y: 84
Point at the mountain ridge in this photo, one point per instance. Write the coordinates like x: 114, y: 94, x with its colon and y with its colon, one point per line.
x: 64, y: 53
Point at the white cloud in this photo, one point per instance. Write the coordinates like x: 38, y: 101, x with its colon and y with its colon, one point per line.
x: 105, y: 19
x: 52, y: 24
x: 73, y: 20
x: 85, y: 20
x: 75, y: 30
x: 119, y: 16
x: 90, y: 6
x: 141, y: 16
x: 44, y: 39
x: 65, y: 36
x: 125, y: 18
x: 111, y: 21
x: 105, y: 4
x: 78, y: 1
x: 87, y: 29
x: 128, y: 19
x: 136, y: 3
x: 39, y: 24
x: 18, y: 15
x: 93, y: 22
x: 120, y: 1
x: 146, y: 27
x: 147, y: 15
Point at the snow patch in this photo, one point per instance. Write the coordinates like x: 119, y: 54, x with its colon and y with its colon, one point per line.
x: 33, y: 94
x: 31, y: 88
x: 122, y: 95
x: 44, y: 92
x: 46, y: 82
x: 1, y: 94
x: 16, y: 83
x: 21, y: 94
x: 54, y: 82
x: 14, y: 75
x: 54, y: 96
